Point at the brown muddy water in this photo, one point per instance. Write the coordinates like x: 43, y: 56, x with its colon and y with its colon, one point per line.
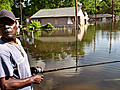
x: 96, y: 44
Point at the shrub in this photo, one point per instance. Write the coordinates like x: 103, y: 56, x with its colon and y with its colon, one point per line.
x: 48, y: 26
x: 35, y: 24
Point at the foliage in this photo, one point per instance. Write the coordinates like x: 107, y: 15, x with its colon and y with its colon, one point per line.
x: 117, y: 7
x: 28, y: 28
x: 6, y: 5
x: 37, y: 33
x: 105, y: 8
x: 35, y: 24
x: 34, y: 5
x: 48, y: 28
x: 89, y: 5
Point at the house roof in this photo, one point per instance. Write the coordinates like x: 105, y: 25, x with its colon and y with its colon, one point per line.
x: 100, y: 16
x: 58, y: 12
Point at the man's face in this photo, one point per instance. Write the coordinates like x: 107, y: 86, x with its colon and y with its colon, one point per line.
x: 8, y: 28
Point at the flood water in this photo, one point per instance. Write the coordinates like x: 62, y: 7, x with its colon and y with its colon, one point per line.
x: 96, y: 44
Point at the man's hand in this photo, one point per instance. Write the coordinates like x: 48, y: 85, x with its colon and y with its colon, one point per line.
x: 36, y: 70
x: 37, y: 78
x: 11, y: 83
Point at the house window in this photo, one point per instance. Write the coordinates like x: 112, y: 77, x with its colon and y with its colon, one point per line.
x: 71, y: 20
x: 56, y: 21
x: 27, y: 20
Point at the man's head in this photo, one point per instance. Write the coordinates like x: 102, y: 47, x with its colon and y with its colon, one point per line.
x: 8, y: 25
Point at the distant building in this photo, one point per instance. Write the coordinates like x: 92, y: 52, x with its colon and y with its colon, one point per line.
x: 101, y: 17
x: 59, y: 17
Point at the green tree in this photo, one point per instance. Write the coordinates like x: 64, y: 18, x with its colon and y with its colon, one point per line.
x: 105, y: 8
x: 69, y: 3
x: 89, y: 5
x: 107, y: 1
x: 6, y: 5
x: 36, y: 5
x: 117, y: 7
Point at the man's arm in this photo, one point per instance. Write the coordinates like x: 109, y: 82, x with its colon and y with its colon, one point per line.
x: 11, y: 83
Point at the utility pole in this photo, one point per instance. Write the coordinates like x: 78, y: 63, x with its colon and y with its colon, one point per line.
x: 76, y: 18
x: 21, y: 13
x: 112, y: 9
x: 76, y: 15
x: 95, y: 11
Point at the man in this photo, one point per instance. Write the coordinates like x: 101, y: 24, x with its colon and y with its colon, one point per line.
x: 14, y: 67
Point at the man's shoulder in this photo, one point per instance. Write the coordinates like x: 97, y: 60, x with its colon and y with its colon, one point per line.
x: 4, y: 50
x: 1, y: 42
x: 18, y: 41
x: 2, y: 45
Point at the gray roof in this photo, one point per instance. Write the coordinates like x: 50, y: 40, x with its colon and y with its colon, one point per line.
x: 58, y: 12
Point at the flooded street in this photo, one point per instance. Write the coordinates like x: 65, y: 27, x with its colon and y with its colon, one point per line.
x: 96, y: 44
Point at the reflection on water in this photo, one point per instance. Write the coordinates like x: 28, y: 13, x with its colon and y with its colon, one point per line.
x: 111, y: 37
x: 96, y: 44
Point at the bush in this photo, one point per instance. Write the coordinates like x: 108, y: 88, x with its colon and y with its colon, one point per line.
x: 37, y: 33
x: 48, y: 26
x: 35, y: 24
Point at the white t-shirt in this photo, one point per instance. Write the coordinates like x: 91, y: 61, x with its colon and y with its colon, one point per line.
x: 13, y: 63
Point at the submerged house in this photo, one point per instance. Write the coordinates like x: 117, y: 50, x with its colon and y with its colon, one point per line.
x: 59, y: 17
x: 101, y: 17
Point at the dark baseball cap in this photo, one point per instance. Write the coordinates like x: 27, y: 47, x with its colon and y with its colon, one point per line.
x: 8, y: 14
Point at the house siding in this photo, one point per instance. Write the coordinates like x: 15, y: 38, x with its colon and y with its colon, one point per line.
x: 62, y: 22
x: 47, y: 20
